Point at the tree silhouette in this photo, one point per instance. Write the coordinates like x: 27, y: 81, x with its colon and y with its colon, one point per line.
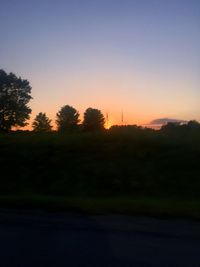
x: 67, y: 119
x: 193, y: 124
x: 42, y: 123
x: 14, y: 98
x: 93, y: 120
x: 170, y: 126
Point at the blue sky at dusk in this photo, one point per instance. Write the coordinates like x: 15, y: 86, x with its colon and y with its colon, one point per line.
x: 140, y: 56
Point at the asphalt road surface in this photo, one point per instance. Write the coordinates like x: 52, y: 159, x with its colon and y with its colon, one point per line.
x: 42, y: 239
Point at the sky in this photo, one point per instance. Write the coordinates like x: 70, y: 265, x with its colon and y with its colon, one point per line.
x: 141, y: 57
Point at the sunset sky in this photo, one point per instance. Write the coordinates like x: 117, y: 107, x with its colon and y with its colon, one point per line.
x: 139, y: 56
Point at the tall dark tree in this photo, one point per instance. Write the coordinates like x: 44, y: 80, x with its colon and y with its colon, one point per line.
x: 67, y: 119
x: 93, y: 120
x: 42, y: 123
x: 14, y: 98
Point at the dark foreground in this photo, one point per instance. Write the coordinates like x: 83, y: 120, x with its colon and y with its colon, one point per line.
x: 134, y: 163
x: 38, y: 238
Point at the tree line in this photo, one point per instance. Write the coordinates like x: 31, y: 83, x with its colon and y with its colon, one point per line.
x: 15, y: 94
x: 67, y: 120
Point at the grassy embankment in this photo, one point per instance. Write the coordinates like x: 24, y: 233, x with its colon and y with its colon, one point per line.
x: 136, y: 172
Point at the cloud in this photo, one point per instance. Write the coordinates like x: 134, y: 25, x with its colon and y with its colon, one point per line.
x: 162, y: 121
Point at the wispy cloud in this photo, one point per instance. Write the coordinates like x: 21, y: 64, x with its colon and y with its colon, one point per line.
x: 162, y: 121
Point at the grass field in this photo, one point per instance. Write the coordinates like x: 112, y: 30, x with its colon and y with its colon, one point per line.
x: 144, y: 206
x: 128, y: 171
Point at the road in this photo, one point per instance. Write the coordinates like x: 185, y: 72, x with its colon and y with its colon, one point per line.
x: 40, y: 239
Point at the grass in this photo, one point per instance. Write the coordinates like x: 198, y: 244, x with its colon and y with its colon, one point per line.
x: 147, y: 206
x: 132, y: 172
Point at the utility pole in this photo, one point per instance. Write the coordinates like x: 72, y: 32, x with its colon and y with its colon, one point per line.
x: 122, y: 118
x: 107, y: 120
